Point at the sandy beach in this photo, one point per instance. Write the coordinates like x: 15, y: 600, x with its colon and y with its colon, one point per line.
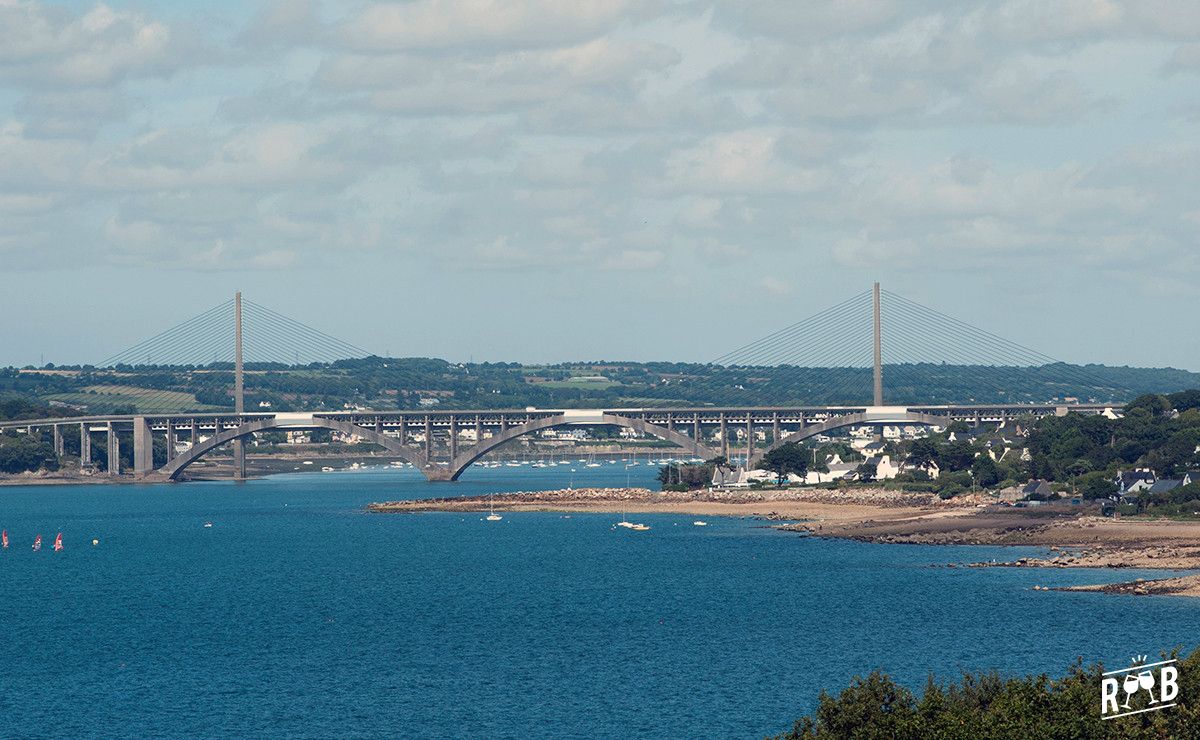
x: 847, y: 508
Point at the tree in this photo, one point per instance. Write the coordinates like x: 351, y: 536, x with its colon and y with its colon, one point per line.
x: 785, y: 460
x: 985, y: 471
x: 688, y: 476
x: 958, y: 455
x: 923, y: 453
x: 1095, y: 485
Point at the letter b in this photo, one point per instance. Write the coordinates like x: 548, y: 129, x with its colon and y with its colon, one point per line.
x: 1169, y: 678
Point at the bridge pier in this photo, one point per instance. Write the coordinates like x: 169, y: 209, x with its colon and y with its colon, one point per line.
x: 114, y: 451
x: 749, y: 438
x: 170, y: 439
x: 85, y: 446
x: 143, y: 447
x: 724, y: 438
x: 453, y: 436
x: 58, y: 441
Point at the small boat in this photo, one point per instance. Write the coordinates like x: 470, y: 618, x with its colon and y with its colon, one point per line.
x: 699, y: 523
x: 627, y: 525
x: 4, y: 539
x: 58, y: 543
x: 37, y: 543
x: 95, y: 542
x: 307, y: 462
x: 639, y: 528
x: 326, y: 469
x: 208, y: 525
x: 493, y: 517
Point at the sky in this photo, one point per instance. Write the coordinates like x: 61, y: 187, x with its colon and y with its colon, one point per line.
x: 538, y: 180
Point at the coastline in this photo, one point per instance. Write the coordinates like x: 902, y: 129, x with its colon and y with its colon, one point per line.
x: 1075, y: 536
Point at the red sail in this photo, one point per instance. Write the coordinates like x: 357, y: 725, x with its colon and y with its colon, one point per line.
x: 4, y: 539
x: 58, y: 542
x: 37, y: 543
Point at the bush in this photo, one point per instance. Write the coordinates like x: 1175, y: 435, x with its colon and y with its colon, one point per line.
x: 987, y: 705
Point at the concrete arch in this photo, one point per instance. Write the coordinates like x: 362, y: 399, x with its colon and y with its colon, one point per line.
x: 172, y: 469
x: 481, y: 448
x: 859, y: 419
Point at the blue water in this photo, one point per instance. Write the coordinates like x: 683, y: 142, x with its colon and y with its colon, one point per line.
x: 299, y: 614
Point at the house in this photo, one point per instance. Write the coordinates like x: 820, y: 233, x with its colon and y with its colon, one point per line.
x: 1036, y: 488
x: 1164, y: 485
x: 1012, y: 494
x: 885, y: 469
x: 1134, y: 481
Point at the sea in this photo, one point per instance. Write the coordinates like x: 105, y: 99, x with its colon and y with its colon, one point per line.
x: 299, y: 614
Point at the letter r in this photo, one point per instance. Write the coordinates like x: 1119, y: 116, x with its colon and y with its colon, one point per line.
x: 1108, y: 690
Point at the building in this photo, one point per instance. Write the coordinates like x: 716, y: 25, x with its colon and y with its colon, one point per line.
x: 1136, y: 481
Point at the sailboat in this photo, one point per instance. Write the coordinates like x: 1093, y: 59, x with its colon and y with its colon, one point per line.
x: 492, y: 515
x: 4, y: 539
x: 37, y: 543
x: 58, y: 543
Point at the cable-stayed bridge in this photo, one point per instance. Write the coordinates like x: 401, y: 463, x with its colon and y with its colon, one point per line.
x: 846, y: 342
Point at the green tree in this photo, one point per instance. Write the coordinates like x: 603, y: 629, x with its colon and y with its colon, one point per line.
x: 985, y: 471
x: 923, y: 453
x: 785, y: 460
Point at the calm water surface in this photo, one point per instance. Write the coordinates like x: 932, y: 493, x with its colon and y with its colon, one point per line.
x: 299, y: 614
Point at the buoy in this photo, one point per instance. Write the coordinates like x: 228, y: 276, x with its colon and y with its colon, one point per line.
x: 95, y: 542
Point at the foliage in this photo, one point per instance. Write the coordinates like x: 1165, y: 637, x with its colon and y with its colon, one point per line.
x: 401, y: 383
x: 787, y: 459
x: 985, y: 471
x: 686, y: 477
x: 988, y: 705
x: 22, y: 452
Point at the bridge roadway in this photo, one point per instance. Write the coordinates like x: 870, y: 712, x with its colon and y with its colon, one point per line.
x: 442, y: 444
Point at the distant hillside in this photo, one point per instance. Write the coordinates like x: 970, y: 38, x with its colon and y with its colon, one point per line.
x: 413, y: 383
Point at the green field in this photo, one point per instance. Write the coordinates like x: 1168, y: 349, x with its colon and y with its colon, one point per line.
x: 105, y: 398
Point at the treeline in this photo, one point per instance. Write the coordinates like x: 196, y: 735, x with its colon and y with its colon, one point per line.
x: 380, y: 382
x: 987, y: 705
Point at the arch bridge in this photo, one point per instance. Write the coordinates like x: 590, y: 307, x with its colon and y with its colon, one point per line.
x: 443, y: 444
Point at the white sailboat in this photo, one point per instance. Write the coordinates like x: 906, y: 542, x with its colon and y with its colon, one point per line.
x: 492, y: 515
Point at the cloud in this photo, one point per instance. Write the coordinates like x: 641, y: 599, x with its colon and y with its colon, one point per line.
x: 43, y: 45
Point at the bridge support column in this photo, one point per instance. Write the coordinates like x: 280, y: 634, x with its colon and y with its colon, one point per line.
x: 143, y: 446
x: 239, y: 459
x: 114, y: 451
x: 195, y: 433
x: 724, y: 437
x: 749, y: 438
x: 453, y: 436
x: 85, y: 446
x: 170, y: 439
x: 58, y: 441
x: 403, y: 430
x: 775, y: 428
x: 696, y: 433
x: 428, y: 439
x: 478, y: 430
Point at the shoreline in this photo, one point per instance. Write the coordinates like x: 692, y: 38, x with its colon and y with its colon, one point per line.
x: 1075, y: 536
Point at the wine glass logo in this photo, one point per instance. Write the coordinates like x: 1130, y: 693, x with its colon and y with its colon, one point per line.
x: 1130, y: 685
x: 1146, y: 681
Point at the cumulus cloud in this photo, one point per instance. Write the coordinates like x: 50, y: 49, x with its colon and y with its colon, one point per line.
x: 624, y: 136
